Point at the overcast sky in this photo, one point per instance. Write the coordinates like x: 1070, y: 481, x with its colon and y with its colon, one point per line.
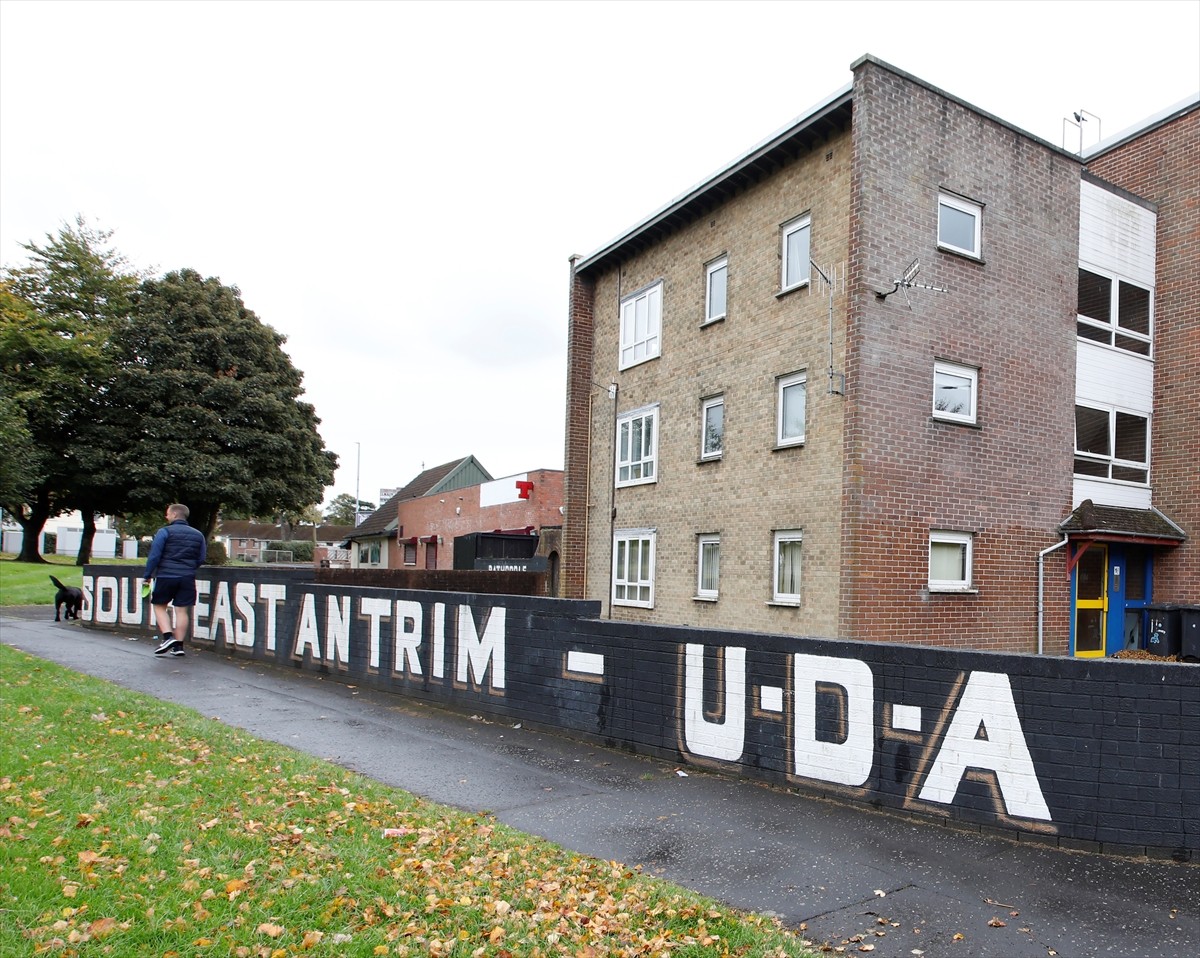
x: 397, y: 187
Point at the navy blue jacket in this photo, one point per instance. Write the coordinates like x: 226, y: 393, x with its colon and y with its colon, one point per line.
x: 176, y: 552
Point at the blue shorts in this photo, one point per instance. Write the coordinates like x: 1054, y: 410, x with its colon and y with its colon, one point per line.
x: 179, y: 592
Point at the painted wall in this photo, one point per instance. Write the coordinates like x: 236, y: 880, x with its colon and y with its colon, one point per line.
x: 1092, y: 754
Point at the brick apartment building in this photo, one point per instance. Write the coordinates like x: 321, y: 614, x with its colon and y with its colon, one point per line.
x: 801, y: 437
x: 416, y: 527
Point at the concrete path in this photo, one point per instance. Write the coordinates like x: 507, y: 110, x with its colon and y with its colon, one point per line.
x: 838, y: 871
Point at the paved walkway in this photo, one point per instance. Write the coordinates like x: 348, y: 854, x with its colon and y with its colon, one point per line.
x: 840, y: 870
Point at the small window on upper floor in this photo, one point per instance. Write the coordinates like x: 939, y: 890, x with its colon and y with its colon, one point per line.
x: 712, y: 428
x: 1114, y: 312
x: 955, y: 389
x: 789, y: 546
x: 716, y: 286
x: 790, y: 409
x: 637, y: 447
x: 641, y: 326
x: 794, y: 236
x: 960, y: 225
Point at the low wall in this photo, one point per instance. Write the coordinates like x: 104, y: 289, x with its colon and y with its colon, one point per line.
x: 1093, y: 754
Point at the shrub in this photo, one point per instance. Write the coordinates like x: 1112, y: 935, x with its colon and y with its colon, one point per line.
x: 216, y: 554
x: 301, y: 549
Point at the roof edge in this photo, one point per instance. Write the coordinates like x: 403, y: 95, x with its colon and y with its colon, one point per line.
x: 1148, y: 125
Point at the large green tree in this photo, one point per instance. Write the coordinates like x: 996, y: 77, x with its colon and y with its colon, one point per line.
x: 341, y: 509
x: 205, y: 408
x: 55, y: 314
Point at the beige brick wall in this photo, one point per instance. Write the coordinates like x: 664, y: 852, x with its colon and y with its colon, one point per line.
x: 754, y: 488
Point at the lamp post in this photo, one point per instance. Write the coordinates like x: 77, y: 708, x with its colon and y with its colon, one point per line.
x: 357, y: 480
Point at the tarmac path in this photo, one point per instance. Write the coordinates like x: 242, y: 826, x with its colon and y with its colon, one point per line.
x: 835, y: 871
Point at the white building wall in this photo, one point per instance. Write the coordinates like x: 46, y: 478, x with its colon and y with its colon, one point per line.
x: 1116, y: 238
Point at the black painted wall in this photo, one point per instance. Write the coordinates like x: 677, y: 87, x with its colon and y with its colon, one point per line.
x: 1085, y: 753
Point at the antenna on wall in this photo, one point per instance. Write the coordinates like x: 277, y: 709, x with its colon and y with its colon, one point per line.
x: 907, y: 281
x: 837, y: 381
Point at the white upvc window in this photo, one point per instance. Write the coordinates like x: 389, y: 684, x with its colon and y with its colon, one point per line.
x: 641, y: 325
x: 633, y: 567
x: 795, y: 236
x: 712, y: 427
x: 787, y: 556
x: 950, y: 561
x: 1112, y: 444
x: 709, y: 566
x: 955, y: 392
x: 791, y: 403
x: 637, y: 447
x: 960, y: 225
x: 1114, y: 312
x: 716, y: 289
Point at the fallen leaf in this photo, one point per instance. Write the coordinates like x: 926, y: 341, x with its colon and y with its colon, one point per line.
x: 996, y: 923
x: 959, y: 936
x: 881, y: 893
x: 271, y: 931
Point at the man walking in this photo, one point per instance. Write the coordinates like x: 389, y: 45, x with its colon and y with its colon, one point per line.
x: 176, y: 553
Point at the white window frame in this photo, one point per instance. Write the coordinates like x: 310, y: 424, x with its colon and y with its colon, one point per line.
x: 641, y: 333
x: 958, y: 371
x: 1111, y: 461
x: 645, y: 463
x: 703, y: 542
x: 721, y: 263
x: 965, y: 541
x: 623, y: 582
x: 778, y: 596
x: 783, y: 383
x: 1113, y: 329
x: 786, y: 232
x: 971, y: 208
x: 707, y: 406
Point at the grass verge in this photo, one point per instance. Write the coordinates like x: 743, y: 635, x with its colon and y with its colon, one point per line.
x: 131, y: 826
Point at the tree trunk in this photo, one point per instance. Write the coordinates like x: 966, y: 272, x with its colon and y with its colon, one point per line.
x: 32, y: 523
x: 88, y: 537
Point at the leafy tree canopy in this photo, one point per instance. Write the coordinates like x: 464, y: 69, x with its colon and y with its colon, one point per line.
x: 341, y: 510
x: 219, y: 420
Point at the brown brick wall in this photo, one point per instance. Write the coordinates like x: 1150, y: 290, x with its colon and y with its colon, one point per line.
x: 1163, y: 166
x: 754, y: 488
x: 1012, y: 316
x: 578, y: 451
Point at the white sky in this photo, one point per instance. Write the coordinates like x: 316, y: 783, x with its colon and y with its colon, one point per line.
x: 397, y: 186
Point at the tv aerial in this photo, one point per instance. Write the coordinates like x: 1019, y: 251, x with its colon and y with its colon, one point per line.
x: 907, y: 281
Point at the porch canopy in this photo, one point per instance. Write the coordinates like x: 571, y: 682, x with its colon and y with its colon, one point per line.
x: 1091, y: 523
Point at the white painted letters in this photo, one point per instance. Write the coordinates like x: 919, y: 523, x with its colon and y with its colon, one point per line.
x: 849, y: 761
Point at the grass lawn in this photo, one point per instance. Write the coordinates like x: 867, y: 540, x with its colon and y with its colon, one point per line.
x: 132, y: 826
x: 28, y: 583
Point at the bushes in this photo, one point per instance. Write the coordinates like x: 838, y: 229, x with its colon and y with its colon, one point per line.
x: 301, y: 549
x: 216, y: 554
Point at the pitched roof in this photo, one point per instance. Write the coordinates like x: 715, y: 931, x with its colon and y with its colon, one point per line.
x: 449, y: 475
x: 1120, y: 523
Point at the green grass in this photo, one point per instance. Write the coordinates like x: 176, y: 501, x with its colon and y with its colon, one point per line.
x: 130, y: 826
x: 28, y: 583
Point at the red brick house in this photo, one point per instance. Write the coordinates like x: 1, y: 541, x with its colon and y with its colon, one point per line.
x: 416, y: 528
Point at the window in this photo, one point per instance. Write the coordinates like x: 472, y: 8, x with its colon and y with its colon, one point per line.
x: 633, y: 568
x: 959, y: 225
x: 716, y: 285
x: 790, y: 429
x: 787, y: 567
x: 949, y: 561
x: 410, y: 553
x: 637, y: 447
x: 795, y: 238
x: 709, y: 566
x: 712, y: 428
x: 1110, y: 444
x: 954, y: 392
x: 641, y: 324
x: 1114, y: 312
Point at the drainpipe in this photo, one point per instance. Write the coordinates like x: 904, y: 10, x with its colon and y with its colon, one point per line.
x: 1041, y: 578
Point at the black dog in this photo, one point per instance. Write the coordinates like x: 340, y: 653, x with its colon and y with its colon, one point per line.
x: 67, y: 596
